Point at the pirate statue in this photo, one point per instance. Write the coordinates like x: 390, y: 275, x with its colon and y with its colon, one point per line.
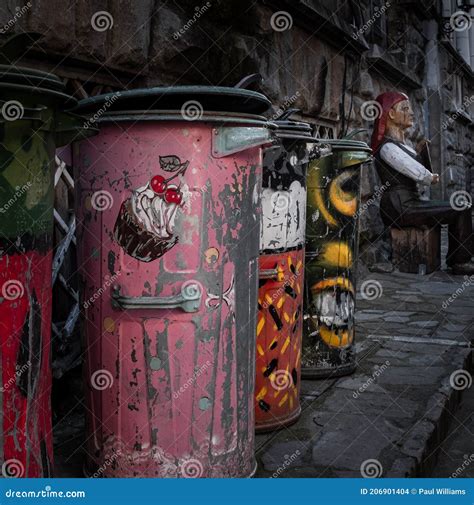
x: 400, y: 169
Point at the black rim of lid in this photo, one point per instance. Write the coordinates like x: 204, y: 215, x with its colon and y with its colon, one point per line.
x: 33, y: 83
x: 208, y: 98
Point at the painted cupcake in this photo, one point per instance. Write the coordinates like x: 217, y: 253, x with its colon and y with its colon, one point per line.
x: 145, y: 224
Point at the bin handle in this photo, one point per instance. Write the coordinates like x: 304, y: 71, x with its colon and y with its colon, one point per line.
x: 288, y: 113
x: 248, y: 80
x: 272, y: 273
x: 36, y: 114
x: 189, y: 299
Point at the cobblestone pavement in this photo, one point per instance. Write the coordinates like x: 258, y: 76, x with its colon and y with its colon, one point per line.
x: 390, y: 417
x: 456, y: 455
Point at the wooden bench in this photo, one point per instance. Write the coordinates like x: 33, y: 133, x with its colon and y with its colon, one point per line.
x: 412, y: 247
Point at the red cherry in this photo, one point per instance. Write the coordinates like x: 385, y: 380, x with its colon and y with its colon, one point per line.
x: 158, y: 184
x: 173, y: 196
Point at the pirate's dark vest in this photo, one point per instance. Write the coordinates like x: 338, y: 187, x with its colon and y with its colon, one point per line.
x: 400, y: 192
x: 390, y: 177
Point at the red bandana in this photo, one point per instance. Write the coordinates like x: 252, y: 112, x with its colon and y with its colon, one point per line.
x: 387, y: 101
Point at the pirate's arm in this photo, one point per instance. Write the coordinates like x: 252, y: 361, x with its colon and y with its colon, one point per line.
x: 402, y: 162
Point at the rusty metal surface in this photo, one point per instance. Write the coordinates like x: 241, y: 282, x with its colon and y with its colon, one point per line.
x: 170, y: 392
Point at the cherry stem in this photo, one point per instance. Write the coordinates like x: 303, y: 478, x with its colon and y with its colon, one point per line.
x: 179, y: 172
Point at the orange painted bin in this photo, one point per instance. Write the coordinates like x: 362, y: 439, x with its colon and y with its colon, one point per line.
x: 281, y: 265
x: 279, y: 333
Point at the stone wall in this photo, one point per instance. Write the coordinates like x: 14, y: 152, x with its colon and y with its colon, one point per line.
x: 310, y: 64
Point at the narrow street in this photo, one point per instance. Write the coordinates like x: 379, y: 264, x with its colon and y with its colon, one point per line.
x: 389, y: 417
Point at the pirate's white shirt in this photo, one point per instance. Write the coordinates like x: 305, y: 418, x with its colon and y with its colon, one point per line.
x: 402, y: 162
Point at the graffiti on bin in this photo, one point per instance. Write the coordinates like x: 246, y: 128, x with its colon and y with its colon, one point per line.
x: 146, y: 221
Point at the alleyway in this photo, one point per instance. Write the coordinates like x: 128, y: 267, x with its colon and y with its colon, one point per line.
x: 389, y: 417
x: 392, y: 415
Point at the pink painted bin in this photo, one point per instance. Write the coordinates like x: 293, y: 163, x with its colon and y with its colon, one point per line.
x: 168, y: 234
